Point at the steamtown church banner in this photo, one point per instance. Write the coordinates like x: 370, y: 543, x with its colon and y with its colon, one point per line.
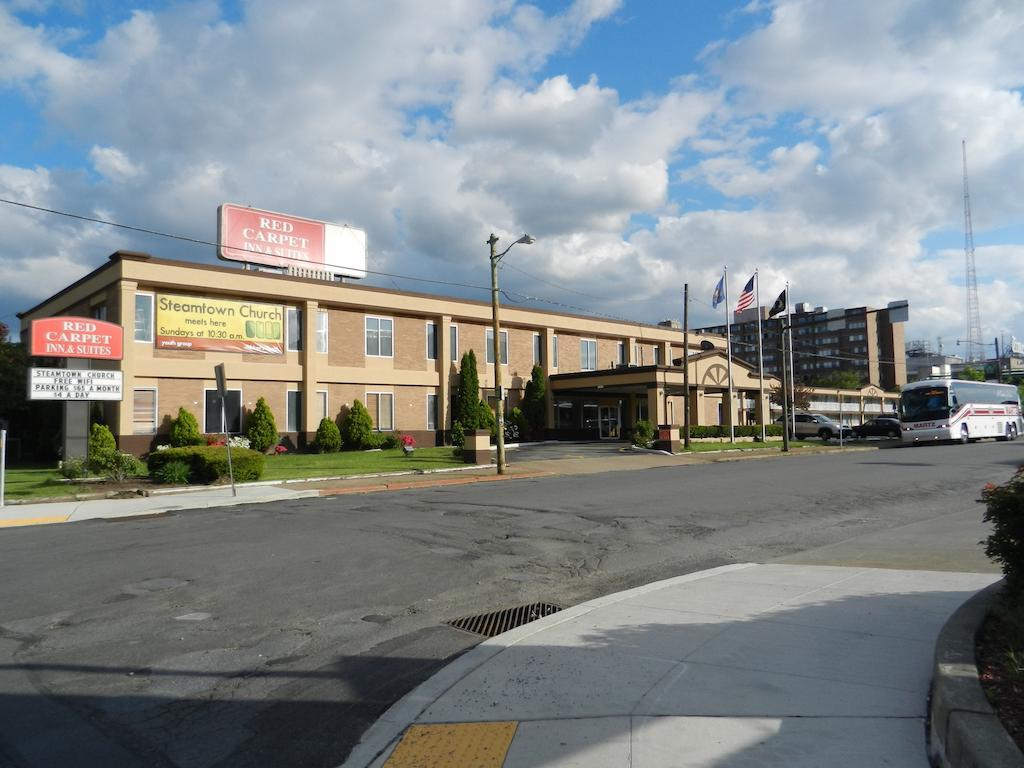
x: 214, y: 325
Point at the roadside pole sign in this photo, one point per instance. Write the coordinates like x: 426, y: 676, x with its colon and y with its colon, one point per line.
x: 77, y: 337
x: 3, y: 463
x: 222, y: 390
x: 74, y: 384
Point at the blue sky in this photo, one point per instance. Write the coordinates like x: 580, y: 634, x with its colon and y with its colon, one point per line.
x: 645, y: 144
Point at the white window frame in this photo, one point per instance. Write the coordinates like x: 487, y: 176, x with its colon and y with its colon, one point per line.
x: 290, y: 344
x: 582, y: 366
x: 324, y: 403
x: 323, y: 324
x: 156, y: 409
x: 376, y: 416
x: 431, y: 334
x: 152, y: 319
x: 432, y: 412
x: 379, y: 319
x: 489, y: 344
x: 453, y: 340
x: 554, y: 350
x: 241, y: 412
x: 288, y: 411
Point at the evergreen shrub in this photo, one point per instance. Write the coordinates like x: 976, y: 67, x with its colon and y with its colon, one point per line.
x: 357, y: 427
x: 262, y: 431
x: 1004, y: 508
x: 328, y: 436
x: 102, y: 448
x: 209, y: 463
x: 185, y: 430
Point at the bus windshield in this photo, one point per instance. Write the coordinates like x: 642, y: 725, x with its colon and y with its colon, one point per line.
x: 924, y: 404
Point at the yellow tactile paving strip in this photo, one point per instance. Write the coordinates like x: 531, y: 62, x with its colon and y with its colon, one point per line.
x: 33, y: 521
x: 453, y: 745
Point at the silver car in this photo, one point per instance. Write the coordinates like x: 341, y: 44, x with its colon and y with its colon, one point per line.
x: 818, y: 425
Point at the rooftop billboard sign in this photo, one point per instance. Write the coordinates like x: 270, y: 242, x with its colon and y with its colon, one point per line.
x: 254, y: 236
x: 77, y: 337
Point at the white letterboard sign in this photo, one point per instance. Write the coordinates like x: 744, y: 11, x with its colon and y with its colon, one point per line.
x: 74, y: 384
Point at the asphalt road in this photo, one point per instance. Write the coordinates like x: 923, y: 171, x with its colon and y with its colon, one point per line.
x: 276, y: 634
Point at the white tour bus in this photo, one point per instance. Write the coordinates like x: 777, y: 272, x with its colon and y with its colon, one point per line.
x: 950, y: 409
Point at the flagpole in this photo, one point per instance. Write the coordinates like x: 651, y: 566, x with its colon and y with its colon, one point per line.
x: 760, y: 358
x: 792, y: 377
x: 728, y: 347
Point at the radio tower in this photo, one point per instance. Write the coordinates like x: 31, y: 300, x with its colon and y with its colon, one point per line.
x: 973, y: 313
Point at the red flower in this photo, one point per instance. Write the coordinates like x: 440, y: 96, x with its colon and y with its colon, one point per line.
x: 408, y: 441
x: 280, y: 449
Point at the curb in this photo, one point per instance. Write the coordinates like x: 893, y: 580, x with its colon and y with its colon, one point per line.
x: 964, y: 731
x: 440, y: 483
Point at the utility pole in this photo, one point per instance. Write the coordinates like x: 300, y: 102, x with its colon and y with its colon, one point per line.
x: 499, y: 393
x: 686, y: 365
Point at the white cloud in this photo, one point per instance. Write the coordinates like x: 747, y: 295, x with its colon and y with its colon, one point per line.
x: 114, y: 164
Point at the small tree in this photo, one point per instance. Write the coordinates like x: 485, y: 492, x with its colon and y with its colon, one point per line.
x: 262, y: 432
x: 357, y: 426
x: 328, y: 436
x: 840, y: 380
x: 185, y: 430
x: 467, y: 397
x: 801, y: 396
x: 102, y: 448
x: 535, y: 400
x: 970, y: 373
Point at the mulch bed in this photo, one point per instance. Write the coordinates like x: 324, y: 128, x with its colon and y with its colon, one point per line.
x: 1000, y: 657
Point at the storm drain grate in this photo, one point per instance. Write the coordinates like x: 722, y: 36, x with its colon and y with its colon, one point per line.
x: 496, y: 622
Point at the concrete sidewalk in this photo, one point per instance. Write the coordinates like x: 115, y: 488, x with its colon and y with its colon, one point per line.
x: 767, y: 665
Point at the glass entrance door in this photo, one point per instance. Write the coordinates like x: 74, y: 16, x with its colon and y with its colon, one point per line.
x: 609, y: 422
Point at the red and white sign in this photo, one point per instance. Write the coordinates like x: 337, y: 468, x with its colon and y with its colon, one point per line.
x: 77, y: 337
x: 254, y: 236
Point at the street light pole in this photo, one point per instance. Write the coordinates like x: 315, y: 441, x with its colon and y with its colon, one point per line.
x: 499, y: 391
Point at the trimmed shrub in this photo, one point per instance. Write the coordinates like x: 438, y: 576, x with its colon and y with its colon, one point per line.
x: 1004, y: 508
x: 458, y: 435
x: 185, y: 430
x: 374, y: 441
x: 209, y: 463
x: 173, y: 473
x: 467, y: 396
x: 390, y: 441
x: 535, y: 402
x: 357, y: 427
x: 643, y: 434
x: 124, y: 465
x: 328, y: 436
x: 722, y: 430
x: 73, y: 469
x: 485, y: 419
x: 516, y: 426
x: 102, y: 448
x: 262, y: 431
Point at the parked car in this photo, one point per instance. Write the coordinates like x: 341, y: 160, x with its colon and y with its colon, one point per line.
x: 880, y: 426
x: 818, y: 425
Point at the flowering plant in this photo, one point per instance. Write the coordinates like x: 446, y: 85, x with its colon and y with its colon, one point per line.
x: 408, y: 441
x: 280, y: 449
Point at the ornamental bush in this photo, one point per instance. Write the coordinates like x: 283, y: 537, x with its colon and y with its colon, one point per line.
x: 357, y: 427
x: 209, y: 463
x: 262, y: 431
x: 1004, y: 508
x: 102, y: 448
x: 328, y: 436
x: 643, y: 434
x: 535, y: 401
x: 173, y: 473
x: 123, y: 466
x: 458, y: 435
x: 185, y: 430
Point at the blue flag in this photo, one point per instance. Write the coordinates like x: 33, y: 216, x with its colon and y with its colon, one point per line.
x: 719, y: 295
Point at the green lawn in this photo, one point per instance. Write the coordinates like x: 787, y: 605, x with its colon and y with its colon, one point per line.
x: 292, y: 466
x: 37, y: 483
x: 774, y: 445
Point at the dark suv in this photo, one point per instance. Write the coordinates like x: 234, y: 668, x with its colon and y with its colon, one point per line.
x: 880, y: 426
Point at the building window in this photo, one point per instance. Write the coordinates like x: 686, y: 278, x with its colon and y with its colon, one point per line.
x: 321, y: 331
x: 588, y: 355
x: 431, y: 341
x: 379, y: 337
x: 144, y: 411
x: 294, y: 419
x: 321, y: 401
x: 99, y: 312
x: 212, y: 423
x: 622, y: 353
x: 641, y: 409
x: 381, y: 406
x: 554, y: 351
x: 453, y: 342
x: 657, y: 355
x: 431, y: 411
x: 144, y: 317
x: 538, y: 353
x: 490, y: 346
x: 294, y: 326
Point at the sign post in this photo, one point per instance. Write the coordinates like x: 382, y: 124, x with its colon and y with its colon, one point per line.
x: 3, y: 463
x: 222, y: 389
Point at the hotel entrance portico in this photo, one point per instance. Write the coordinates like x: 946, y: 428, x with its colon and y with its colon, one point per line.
x: 607, y: 404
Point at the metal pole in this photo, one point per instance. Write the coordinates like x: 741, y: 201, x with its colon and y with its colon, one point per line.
x: 785, y: 379
x: 686, y: 365
x: 3, y: 464
x: 227, y: 445
x: 499, y: 403
x: 792, y: 367
x: 728, y: 348
x: 760, y: 359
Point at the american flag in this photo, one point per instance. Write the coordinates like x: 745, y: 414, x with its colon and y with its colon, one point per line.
x: 747, y: 297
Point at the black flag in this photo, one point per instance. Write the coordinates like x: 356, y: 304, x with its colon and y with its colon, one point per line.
x: 779, y: 306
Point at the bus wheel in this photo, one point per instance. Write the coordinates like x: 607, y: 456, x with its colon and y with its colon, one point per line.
x: 965, y: 436
x: 1013, y: 431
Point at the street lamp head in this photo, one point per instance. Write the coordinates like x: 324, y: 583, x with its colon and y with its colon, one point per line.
x: 527, y: 240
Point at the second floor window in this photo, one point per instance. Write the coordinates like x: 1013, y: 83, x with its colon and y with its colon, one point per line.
x: 554, y: 351
x: 294, y: 317
x: 379, y: 342
x: 321, y: 331
x: 538, y: 354
x: 431, y: 341
x: 490, y: 346
x: 453, y: 338
x: 588, y: 355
